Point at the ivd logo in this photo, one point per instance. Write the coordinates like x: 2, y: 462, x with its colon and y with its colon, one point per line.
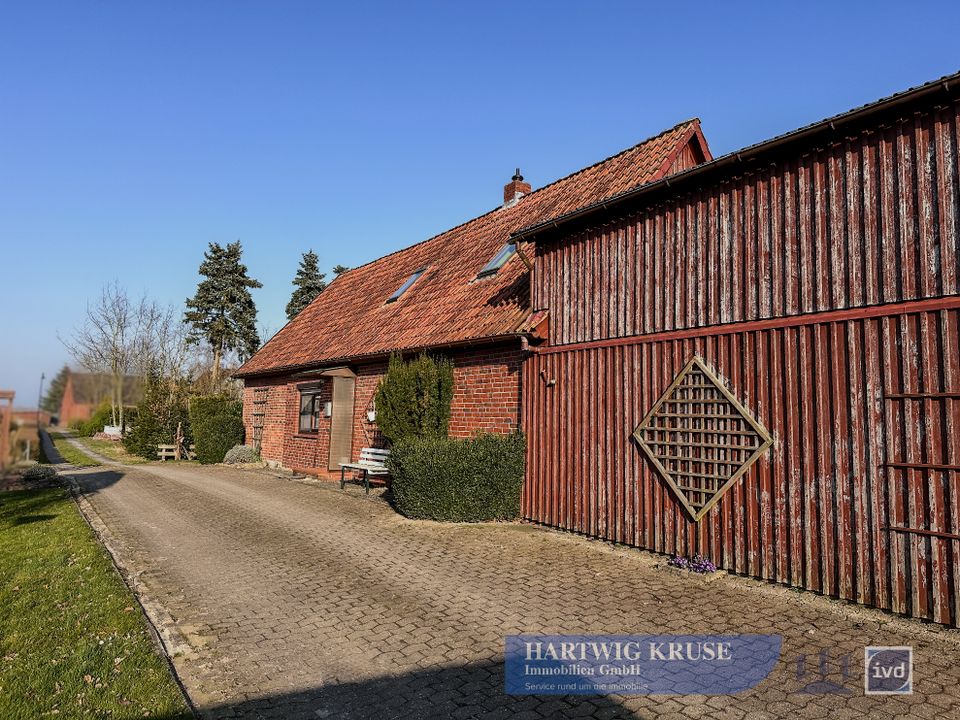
x: 888, y: 670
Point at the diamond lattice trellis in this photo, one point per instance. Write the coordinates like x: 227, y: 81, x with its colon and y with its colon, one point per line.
x: 700, y: 438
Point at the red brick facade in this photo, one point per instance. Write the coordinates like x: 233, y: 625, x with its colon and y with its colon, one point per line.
x: 486, y: 398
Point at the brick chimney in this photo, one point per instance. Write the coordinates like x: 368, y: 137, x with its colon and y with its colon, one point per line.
x: 514, y: 190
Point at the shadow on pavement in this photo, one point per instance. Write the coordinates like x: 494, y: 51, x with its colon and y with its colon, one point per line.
x: 90, y: 483
x: 463, y: 691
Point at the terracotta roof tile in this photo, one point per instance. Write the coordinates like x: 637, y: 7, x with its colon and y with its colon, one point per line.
x: 447, y: 305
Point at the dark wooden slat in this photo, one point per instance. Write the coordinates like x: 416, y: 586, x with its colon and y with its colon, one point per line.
x: 921, y: 531
x: 920, y: 466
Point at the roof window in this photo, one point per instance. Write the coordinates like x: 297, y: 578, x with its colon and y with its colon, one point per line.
x: 498, y: 261
x: 406, y: 285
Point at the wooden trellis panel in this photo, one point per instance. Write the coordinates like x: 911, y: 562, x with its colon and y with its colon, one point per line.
x: 700, y: 438
x: 259, y: 409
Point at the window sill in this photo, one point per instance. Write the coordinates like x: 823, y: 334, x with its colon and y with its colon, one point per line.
x: 307, y: 435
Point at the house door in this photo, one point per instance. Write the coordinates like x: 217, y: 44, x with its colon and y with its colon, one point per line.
x: 341, y: 422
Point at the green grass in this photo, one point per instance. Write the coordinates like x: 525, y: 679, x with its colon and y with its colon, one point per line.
x: 71, y: 454
x: 113, y: 450
x: 73, y: 642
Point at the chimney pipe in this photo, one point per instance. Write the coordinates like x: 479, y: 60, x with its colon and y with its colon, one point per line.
x: 515, y: 189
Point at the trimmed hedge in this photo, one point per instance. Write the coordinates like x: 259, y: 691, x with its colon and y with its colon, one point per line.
x: 458, y: 480
x: 206, y: 406
x: 217, y: 425
x: 214, y: 436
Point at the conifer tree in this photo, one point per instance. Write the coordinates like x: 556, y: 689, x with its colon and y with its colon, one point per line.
x: 222, y: 313
x: 413, y: 398
x: 339, y: 270
x: 51, y: 401
x: 309, y: 283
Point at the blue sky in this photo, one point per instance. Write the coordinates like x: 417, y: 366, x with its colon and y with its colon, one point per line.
x: 132, y: 134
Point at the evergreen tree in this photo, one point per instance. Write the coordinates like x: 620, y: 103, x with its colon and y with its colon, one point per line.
x: 309, y: 282
x: 162, y: 409
x: 339, y: 270
x: 51, y: 401
x: 222, y: 312
x: 413, y: 398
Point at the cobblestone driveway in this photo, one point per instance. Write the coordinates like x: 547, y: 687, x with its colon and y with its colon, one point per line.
x: 285, y: 600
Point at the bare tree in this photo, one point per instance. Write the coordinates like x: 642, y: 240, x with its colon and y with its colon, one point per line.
x: 105, y: 342
x: 160, y: 341
x: 121, y: 337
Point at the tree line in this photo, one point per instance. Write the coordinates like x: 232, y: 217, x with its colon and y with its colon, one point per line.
x: 123, y: 336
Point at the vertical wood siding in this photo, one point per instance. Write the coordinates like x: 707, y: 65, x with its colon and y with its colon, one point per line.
x: 870, y: 219
x: 815, y: 510
x: 824, y: 291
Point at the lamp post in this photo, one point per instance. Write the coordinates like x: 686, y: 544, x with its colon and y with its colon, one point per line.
x: 40, y: 401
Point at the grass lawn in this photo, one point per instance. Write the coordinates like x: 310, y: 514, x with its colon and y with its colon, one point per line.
x: 112, y: 450
x: 71, y: 454
x: 73, y: 642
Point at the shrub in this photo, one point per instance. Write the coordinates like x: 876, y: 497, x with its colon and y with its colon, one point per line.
x: 101, y: 416
x: 162, y: 409
x: 214, y: 436
x: 36, y: 473
x: 206, y: 406
x: 217, y: 425
x: 413, y: 399
x: 241, y: 454
x: 458, y: 480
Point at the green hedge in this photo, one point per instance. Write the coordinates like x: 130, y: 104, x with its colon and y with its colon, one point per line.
x: 413, y: 398
x: 214, y: 436
x: 217, y: 425
x: 206, y: 406
x: 458, y: 480
x: 88, y: 428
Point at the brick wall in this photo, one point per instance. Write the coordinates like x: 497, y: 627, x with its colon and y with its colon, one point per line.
x: 70, y: 410
x: 486, y: 398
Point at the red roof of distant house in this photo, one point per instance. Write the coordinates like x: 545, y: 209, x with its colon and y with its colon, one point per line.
x: 447, y: 305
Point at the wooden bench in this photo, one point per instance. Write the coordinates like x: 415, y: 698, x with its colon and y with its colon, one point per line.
x: 373, y: 461
x: 169, y: 452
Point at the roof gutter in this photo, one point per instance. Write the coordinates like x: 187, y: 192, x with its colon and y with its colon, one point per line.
x: 738, y: 157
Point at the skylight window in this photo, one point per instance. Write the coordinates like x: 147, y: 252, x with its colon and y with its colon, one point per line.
x: 406, y: 285
x: 499, y: 260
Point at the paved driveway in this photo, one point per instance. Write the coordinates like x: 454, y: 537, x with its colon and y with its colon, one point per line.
x: 283, y: 600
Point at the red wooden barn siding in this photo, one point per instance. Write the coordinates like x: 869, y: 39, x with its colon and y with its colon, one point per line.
x: 810, y: 512
x: 792, y: 283
x: 870, y: 220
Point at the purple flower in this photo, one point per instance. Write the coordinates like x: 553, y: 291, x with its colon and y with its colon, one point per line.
x: 697, y: 564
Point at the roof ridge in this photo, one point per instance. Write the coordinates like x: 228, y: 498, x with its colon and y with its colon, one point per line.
x: 611, y: 157
x: 529, y: 194
x: 850, y: 115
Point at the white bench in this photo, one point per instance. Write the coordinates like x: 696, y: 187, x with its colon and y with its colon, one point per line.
x: 373, y: 461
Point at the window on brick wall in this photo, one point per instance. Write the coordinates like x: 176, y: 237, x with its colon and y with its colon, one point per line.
x: 310, y: 409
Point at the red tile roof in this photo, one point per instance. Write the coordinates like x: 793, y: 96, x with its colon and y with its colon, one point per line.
x: 447, y: 305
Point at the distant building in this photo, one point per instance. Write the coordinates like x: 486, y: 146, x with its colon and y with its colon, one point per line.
x: 84, y: 392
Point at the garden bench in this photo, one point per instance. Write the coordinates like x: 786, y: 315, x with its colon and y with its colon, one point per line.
x: 169, y: 452
x: 373, y: 461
